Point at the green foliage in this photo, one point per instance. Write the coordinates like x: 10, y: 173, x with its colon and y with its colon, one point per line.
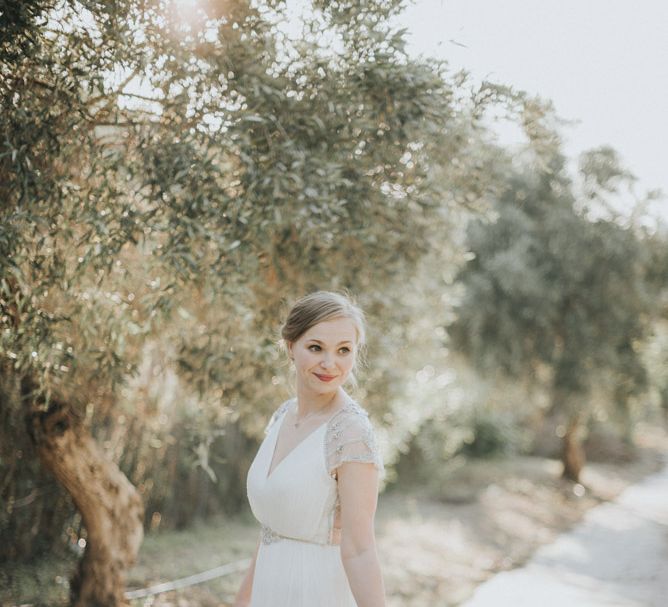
x: 430, y: 451
x: 555, y: 287
x: 237, y: 160
x: 555, y: 295
x: 491, y: 435
x: 602, y: 170
x: 170, y: 182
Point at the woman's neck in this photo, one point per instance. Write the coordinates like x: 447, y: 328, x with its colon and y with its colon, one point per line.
x: 309, y: 402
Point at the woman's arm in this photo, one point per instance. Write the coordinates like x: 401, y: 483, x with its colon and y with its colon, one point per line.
x: 358, y: 496
x: 244, y: 594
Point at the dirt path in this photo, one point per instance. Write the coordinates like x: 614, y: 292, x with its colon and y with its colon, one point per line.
x: 436, y: 545
x: 491, y: 517
x: 616, y: 557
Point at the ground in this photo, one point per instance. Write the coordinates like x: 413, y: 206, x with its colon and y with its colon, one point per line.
x: 615, y: 557
x: 434, y: 552
x: 437, y: 553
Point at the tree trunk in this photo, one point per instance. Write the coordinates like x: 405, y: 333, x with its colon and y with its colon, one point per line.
x: 110, y: 506
x: 573, y: 455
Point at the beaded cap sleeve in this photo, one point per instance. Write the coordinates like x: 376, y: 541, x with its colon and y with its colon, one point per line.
x: 350, y: 438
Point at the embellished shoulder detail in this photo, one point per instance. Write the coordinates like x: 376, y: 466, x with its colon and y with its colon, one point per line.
x: 278, y: 414
x: 350, y: 438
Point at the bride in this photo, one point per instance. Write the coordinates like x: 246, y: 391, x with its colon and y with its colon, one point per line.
x: 313, y: 485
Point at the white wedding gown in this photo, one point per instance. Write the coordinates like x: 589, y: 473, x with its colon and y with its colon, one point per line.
x: 298, y: 564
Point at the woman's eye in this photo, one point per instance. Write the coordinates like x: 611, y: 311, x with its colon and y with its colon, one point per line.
x: 314, y: 348
x: 344, y: 350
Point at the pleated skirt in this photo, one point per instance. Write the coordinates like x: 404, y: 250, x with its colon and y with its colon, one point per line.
x: 290, y: 573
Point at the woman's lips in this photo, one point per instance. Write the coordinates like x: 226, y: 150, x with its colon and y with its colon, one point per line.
x: 325, y: 377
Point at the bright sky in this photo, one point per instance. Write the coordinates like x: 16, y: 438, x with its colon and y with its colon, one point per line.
x: 603, y: 63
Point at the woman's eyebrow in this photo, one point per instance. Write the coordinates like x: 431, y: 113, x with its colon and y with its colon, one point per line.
x: 345, y: 341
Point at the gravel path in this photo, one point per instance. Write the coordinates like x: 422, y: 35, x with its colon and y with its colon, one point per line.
x: 616, y: 557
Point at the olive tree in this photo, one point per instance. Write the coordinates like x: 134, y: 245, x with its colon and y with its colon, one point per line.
x: 552, y: 292
x: 182, y: 175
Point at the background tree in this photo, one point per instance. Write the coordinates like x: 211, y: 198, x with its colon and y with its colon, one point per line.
x: 167, y: 184
x: 551, y: 293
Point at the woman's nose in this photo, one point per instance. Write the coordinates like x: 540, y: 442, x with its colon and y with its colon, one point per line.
x: 327, y: 361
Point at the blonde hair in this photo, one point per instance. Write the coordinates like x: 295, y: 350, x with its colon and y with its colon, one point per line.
x: 318, y: 307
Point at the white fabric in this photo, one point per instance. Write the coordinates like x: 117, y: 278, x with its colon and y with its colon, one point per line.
x: 297, y: 563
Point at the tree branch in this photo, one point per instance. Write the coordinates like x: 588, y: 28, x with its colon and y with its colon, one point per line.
x: 113, y: 95
x: 143, y: 97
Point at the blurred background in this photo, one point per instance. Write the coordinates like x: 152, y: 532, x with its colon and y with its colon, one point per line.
x: 175, y: 173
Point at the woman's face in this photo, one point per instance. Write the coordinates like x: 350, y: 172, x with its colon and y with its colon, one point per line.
x: 325, y: 355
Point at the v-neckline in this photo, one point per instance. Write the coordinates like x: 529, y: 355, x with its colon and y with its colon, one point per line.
x: 270, y: 472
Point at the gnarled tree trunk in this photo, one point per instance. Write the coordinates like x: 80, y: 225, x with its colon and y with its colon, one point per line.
x: 110, y: 506
x: 567, y: 404
x: 572, y: 455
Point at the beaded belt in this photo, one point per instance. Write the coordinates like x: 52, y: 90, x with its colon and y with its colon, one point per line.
x: 269, y: 536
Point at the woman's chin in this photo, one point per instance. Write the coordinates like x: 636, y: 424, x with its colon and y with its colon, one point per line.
x: 327, y: 388
x: 322, y: 387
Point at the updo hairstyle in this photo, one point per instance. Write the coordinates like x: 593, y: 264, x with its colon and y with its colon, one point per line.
x: 318, y: 307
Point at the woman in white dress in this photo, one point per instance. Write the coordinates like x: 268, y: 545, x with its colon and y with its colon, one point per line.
x: 313, y: 484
